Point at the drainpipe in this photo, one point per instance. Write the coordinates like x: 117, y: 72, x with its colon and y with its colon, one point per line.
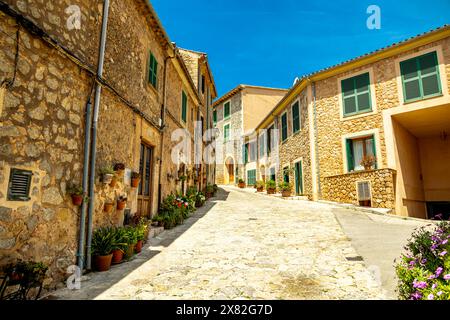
x: 316, y: 143
x: 87, y: 142
x: 163, y: 124
x: 98, y: 91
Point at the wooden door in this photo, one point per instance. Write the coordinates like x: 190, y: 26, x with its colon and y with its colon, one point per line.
x: 145, y: 190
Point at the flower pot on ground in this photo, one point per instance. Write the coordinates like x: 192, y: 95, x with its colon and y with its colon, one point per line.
x: 286, y: 189
x: 271, y: 187
x: 241, y: 183
x: 119, y: 244
x: 259, y: 186
x: 209, y: 191
x: 117, y: 256
x: 102, y: 247
x: 138, y: 246
x: 141, y: 229
x: 107, y: 174
x: 76, y: 193
x: 135, y: 179
x: 132, y: 239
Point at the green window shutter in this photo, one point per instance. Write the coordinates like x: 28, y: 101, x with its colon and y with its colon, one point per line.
x: 251, y: 177
x: 226, y: 110
x: 184, y: 107
x: 356, y: 95
x: 226, y: 132
x: 215, y: 116
x: 284, y: 128
x: 350, y: 162
x: 245, y: 154
x: 420, y: 77
x: 296, y: 117
x: 153, y: 71
x: 374, y: 150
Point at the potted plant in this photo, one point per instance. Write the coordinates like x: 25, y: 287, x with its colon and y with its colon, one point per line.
x: 121, y: 202
x: 241, y: 183
x: 259, y: 186
x: 209, y: 191
x: 76, y: 192
x: 119, y: 168
x: 271, y: 187
x: 102, y: 247
x: 286, y: 189
x: 132, y: 240
x: 140, y: 235
x: 368, y: 162
x: 109, y: 204
x: 107, y: 174
x: 135, y: 179
x: 119, y: 245
x: 113, y: 181
x: 199, y: 199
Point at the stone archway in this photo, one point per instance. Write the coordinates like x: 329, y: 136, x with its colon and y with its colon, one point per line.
x: 229, y: 170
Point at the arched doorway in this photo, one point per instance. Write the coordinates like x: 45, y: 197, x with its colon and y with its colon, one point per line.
x: 229, y: 171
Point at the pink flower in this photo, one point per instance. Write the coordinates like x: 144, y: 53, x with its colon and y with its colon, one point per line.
x: 447, y: 277
x: 431, y: 296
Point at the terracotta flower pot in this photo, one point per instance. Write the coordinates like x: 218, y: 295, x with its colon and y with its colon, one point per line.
x: 130, y: 251
x: 103, y: 263
x: 138, y: 247
x: 113, y: 183
x: 261, y: 189
x: 121, y: 205
x: 117, y: 256
x: 108, y: 207
x: 135, y: 182
x: 271, y: 191
x: 77, y: 200
x: 285, y: 194
x: 242, y: 185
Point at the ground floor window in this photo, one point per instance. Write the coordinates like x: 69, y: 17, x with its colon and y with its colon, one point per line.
x: 251, y: 177
x: 359, y: 152
x: 286, y: 174
x: 273, y: 174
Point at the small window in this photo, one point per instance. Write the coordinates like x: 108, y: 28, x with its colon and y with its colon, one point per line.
x: 420, y: 77
x: 245, y: 151
x: 19, y: 185
x: 251, y: 177
x: 286, y: 174
x: 215, y: 117
x: 226, y: 133
x: 364, y: 194
x: 356, y: 95
x: 358, y: 150
x: 153, y: 71
x: 273, y: 176
x: 296, y: 124
x: 226, y: 110
x: 270, y: 139
x: 184, y: 106
x: 284, y: 127
x: 203, y: 84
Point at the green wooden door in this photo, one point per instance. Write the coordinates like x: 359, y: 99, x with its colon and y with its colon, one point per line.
x: 298, y: 178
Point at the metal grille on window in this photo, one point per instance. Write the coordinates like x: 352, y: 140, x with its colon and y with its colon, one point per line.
x: 19, y: 185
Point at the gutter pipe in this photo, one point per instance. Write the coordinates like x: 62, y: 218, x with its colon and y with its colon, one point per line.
x: 316, y: 144
x: 98, y: 91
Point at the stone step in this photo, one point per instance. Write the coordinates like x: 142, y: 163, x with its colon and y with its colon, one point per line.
x: 155, y: 231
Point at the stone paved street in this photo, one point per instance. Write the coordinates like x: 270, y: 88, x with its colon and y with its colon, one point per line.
x: 242, y: 246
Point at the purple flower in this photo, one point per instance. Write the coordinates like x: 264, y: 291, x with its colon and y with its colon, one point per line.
x: 412, y: 263
x: 439, y: 293
x: 431, y: 296
x: 439, y: 271
x: 420, y: 284
x: 443, y: 253
x: 447, y: 277
x: 423, y: 261
x: 434, y: 247
x: 432, y: 277
x: 434, y: 286
x: 444, y: 242
x: 416, y: 296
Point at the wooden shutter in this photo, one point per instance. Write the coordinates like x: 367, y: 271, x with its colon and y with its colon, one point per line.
x: 284, y: 127
x: 296, y: 117
x: 184, y: 106
x: 349, y: 152
x: 19, y: 185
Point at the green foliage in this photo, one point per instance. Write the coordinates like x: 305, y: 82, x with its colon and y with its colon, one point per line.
x: 75, y: 190
x: 131, y: 235
x: 240, y: 180
x: 271, y: 184
x: 120, y: 239
x: 141, y: 229
x: 210, y: 189
x: 285, y: 186
x: 259, y: 184
x: 102, y: 242
x: 107, y: 170
x: 424, y: 270
x: 26, y: 271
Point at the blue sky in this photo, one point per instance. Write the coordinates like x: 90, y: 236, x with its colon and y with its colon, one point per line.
x: 270, y: 42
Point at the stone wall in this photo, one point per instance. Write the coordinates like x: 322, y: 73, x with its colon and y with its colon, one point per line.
x: 343, y: 188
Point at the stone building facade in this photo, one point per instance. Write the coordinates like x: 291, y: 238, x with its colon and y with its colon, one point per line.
x: 376, y: 131
x: 238, y: 112
x: 47, y: 76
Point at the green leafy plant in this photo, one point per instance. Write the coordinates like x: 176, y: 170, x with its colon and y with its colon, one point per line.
x: 285, y: 186
x: 120, y: 239
x: 240, y: 180
x: 75, y: 190
x: 141, y: 229
x: 271, y: 184
x: 107, y: 170
x: 424, y: 269
x: 131, y: 235
x: 210, y: 189
x: 259, y: 184
x: 102, y: 242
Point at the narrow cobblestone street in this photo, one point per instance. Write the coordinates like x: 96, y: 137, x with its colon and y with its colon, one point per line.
x: 242, y: 246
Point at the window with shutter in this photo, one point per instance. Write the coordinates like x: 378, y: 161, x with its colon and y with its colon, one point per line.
x: 226, y: 110
x: 184, y: 106
x: 356, y: 95
x: 284, y: 127
x: 286, y: 174
x: 19, y: 185
x: 215, y: 117
x: 420, y: 77
x: 251, y: 177
x: 226, y: 133
x: 358, y: 149
x: 153, y: 71
x: 296, y: 125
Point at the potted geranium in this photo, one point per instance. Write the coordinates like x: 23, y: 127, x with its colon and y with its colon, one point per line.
x: 102, y: 247
x: 271, y: 187
x: 76, y: 193
x: 259, y: 186
x: 241, y: 183
x: 286, y: 189
x: 107, y: 174
x: 368, y: 162
x: 121, y: 202
x: 135, y: 179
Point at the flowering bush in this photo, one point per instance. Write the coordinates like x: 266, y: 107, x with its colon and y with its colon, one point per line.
x: 424, y: 270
